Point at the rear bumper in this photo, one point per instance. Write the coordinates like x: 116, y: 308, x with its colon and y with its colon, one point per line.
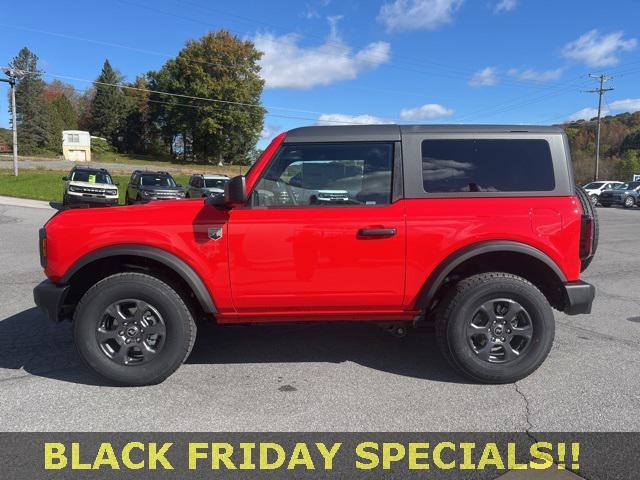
x: 49, y: 297
x: 578, y: 297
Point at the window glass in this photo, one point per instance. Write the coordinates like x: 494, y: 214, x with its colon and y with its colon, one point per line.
x: 327, y: 174
x: 215, y: 183
x: 156, y: 181
x: 478, y: 165
x: 594, y: 185
x: 91, y: 176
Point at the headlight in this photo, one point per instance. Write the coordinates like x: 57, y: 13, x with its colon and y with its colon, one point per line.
x: 112, y: 192
x: 74, y: 189
x: 146, y: 193
x: 181, y: 194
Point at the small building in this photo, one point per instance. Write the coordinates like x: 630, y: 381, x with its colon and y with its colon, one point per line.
x: 76, y: 145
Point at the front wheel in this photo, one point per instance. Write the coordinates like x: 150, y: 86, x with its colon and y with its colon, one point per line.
x: 132, y: 329
x: 594, y: 199
x: 629, y: 202
x: 495, y: 327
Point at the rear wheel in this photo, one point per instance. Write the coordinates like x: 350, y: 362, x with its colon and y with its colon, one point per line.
x: 594, y: 199
x: 495, y: 327
x: 133, y: 329
x: 629, y: 201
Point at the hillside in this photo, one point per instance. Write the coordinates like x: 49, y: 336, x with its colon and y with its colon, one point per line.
x: 620, y: 147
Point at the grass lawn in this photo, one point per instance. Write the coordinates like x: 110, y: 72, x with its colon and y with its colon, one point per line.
x: 47, y: 184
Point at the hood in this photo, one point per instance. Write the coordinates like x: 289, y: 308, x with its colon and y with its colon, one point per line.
x: 92, y: 185
x: 163, y: 189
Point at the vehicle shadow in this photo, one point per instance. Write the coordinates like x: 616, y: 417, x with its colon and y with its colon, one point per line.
x: 30, y: 343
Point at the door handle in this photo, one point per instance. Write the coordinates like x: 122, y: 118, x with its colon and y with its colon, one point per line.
x: 376, y: 232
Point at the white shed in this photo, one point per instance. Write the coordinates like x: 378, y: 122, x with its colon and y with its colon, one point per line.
x: 76, y: 145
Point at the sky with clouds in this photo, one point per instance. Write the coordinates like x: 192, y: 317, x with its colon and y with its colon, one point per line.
x: 363, y: 61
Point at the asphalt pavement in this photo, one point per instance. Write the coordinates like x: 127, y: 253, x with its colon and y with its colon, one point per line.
x: 324, y: 377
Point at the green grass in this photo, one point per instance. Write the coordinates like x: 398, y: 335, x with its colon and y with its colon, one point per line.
x: 47, y: 185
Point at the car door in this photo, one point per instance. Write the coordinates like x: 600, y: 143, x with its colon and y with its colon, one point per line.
x: 320, y: 233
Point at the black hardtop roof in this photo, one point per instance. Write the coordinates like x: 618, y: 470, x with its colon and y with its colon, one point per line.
x: 150, y: 172
x: 394, y: 132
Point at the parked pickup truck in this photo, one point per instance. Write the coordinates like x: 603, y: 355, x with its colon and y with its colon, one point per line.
x: 479, y: 229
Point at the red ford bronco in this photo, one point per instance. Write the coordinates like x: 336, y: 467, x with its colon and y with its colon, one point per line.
x: 479, y: 229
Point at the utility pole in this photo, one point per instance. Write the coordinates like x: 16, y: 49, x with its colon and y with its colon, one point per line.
x: 13, y: 75
x: 600, y: 91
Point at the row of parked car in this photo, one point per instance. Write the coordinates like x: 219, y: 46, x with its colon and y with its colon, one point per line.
x: 608, y: 193
x: 95, y: 186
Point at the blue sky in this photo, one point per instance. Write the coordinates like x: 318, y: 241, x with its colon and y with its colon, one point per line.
x: 352, y: 61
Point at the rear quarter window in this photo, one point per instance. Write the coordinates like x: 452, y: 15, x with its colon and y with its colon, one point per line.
x: 487, y: 165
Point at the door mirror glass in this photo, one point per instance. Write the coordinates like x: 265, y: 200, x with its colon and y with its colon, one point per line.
x: 235, y: 192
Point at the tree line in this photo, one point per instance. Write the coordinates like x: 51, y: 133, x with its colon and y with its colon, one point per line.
x: 201, y: 106
x: 620, y: 147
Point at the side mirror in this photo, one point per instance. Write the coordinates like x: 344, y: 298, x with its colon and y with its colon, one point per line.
x: 235, y: 192
x: 178, y: 185
x: 117, y: 184
x: 65, y: 178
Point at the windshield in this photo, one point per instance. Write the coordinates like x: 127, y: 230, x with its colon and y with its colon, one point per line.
x: 157, y: 181
x: 593, y: 185
x: 215, y: 183
x: 91, y: 177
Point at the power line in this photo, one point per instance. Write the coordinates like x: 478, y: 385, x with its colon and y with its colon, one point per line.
x: 602, y: 78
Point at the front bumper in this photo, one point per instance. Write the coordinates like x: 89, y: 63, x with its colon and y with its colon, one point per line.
x: 578, y: 297
x: 88, y: 200
x: 49, y: 297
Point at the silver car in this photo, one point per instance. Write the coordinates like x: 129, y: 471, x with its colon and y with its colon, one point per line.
x: 205, y: 185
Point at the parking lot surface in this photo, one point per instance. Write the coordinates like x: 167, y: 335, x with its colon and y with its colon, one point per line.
x: 325, y: 377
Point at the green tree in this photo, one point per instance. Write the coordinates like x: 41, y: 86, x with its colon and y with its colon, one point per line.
x: 31, y: 107
x: 137, y: 131
x: 62, y: 116
x: 224, y: 69
x: 107, y: 105
x: 629, y: 165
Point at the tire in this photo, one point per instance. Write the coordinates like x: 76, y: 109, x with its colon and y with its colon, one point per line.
x: 589, y: 209
x: 65, y: 200
x: 462, y: 306
x: 114, y: 349
x: 594, y: 199
x: 126, y: 199
x: 629, y: 202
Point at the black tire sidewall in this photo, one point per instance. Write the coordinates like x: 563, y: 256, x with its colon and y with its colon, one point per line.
x: 542, y: 320
x: 157, y: 294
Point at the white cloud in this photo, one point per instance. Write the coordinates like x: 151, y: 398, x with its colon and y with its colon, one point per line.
x: 344, y: 119
x: 285, y: 64
x: 426, y: 112
x: 534, y: 75
x: 487, y: 77
x: 270, y: 131
x: 627, y: 105
x: 597, y: 50
x: 585, y: 114
x: 505, y: 6
x: 417, y: 14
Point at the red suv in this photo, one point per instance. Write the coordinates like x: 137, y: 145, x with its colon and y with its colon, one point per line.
x: 477, y: 228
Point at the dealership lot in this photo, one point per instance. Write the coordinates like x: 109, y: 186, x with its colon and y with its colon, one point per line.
x: 321, y: 377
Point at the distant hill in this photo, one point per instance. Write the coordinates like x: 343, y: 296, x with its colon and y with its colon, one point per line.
x: 619, y: 147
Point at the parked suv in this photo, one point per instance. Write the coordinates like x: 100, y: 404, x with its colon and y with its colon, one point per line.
x: 594, y: 189
x: 145, y: 186
x: 89, y: 186
x: 625, y: 194
x: 479, y: 229
x: 206, y: 185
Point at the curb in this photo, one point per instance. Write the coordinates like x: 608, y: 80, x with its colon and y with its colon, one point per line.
x: 24, y: 202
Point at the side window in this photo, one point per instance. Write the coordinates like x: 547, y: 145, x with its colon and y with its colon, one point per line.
x: 200, y: 182
x: 487, y: 165
x: 192, y: 181
x: 326, y: 175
